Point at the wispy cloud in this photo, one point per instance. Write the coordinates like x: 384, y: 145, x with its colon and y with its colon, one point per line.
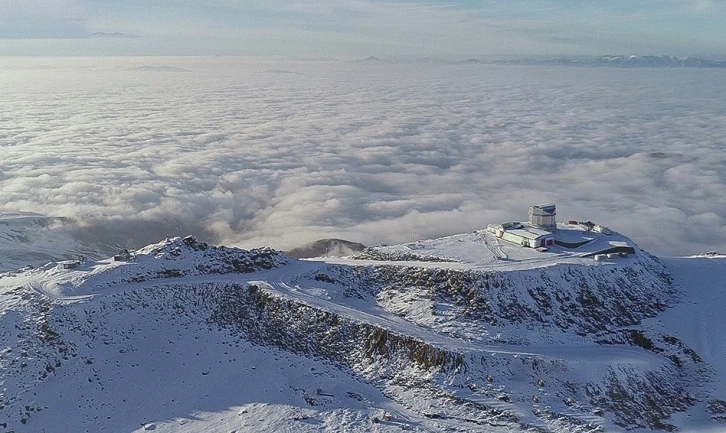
x: 361, y: 28
x: 35, y: 19
x: 371, y: 152
x: 704, y: 6
x: 114, y: 35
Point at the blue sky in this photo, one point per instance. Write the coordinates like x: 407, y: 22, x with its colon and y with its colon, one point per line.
x: 361, y: 28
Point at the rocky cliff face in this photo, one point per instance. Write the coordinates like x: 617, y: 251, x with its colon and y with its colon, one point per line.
x: 582, y: 299
x: 585, y: 304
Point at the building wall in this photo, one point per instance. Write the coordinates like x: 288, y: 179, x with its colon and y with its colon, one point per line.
x: 511, y: 237
x: 519, y: 240
x: 542, y: 216
x: 542, y: 220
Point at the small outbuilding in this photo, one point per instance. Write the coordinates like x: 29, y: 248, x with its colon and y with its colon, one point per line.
x: 70, y: 264
x: 123, y: 256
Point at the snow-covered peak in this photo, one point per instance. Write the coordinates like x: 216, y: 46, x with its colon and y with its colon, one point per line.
x: 187, y: 257
x: 200, y: 257
x: 170, y: 258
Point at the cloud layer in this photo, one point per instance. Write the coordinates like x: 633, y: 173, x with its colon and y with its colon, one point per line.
x: 375, y: 153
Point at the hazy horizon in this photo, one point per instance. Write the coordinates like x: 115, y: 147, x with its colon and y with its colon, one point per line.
x: 361, y: 28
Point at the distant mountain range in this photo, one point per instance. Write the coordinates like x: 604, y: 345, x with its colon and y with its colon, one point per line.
x: 623, y: 61
x: 147, y: 68
x: 629, y: 61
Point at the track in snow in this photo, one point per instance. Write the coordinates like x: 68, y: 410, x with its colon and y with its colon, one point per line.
x: 280, y: 282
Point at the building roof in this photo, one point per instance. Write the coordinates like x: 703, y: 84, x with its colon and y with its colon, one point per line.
x: 530, y: 232
x: 547, y: 208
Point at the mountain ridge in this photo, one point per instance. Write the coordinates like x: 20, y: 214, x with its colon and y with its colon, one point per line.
x: 625, y: 61
x: 468, y: 344
x: 621, y: 61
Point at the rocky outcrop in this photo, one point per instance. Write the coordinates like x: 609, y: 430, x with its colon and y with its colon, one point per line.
x: 177, y: 257
x: 584, y: 299
x: 288, y: 324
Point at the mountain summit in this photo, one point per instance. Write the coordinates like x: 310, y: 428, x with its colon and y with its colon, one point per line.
x: 462, y: 333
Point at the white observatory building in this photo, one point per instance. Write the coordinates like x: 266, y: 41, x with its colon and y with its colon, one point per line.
x: 538, y: 232
x: 543, y: 216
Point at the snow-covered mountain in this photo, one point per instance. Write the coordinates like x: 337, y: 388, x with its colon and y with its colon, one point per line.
x: 463, y: 333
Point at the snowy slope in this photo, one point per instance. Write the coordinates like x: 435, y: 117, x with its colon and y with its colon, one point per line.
x: 698, y: 321
x: 29, y: 239
x: 455, y: 334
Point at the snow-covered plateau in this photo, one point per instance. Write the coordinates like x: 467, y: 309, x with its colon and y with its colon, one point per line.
x: 462, y: 333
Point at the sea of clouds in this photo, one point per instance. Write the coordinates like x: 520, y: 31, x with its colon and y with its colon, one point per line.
x: 276, y: 152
